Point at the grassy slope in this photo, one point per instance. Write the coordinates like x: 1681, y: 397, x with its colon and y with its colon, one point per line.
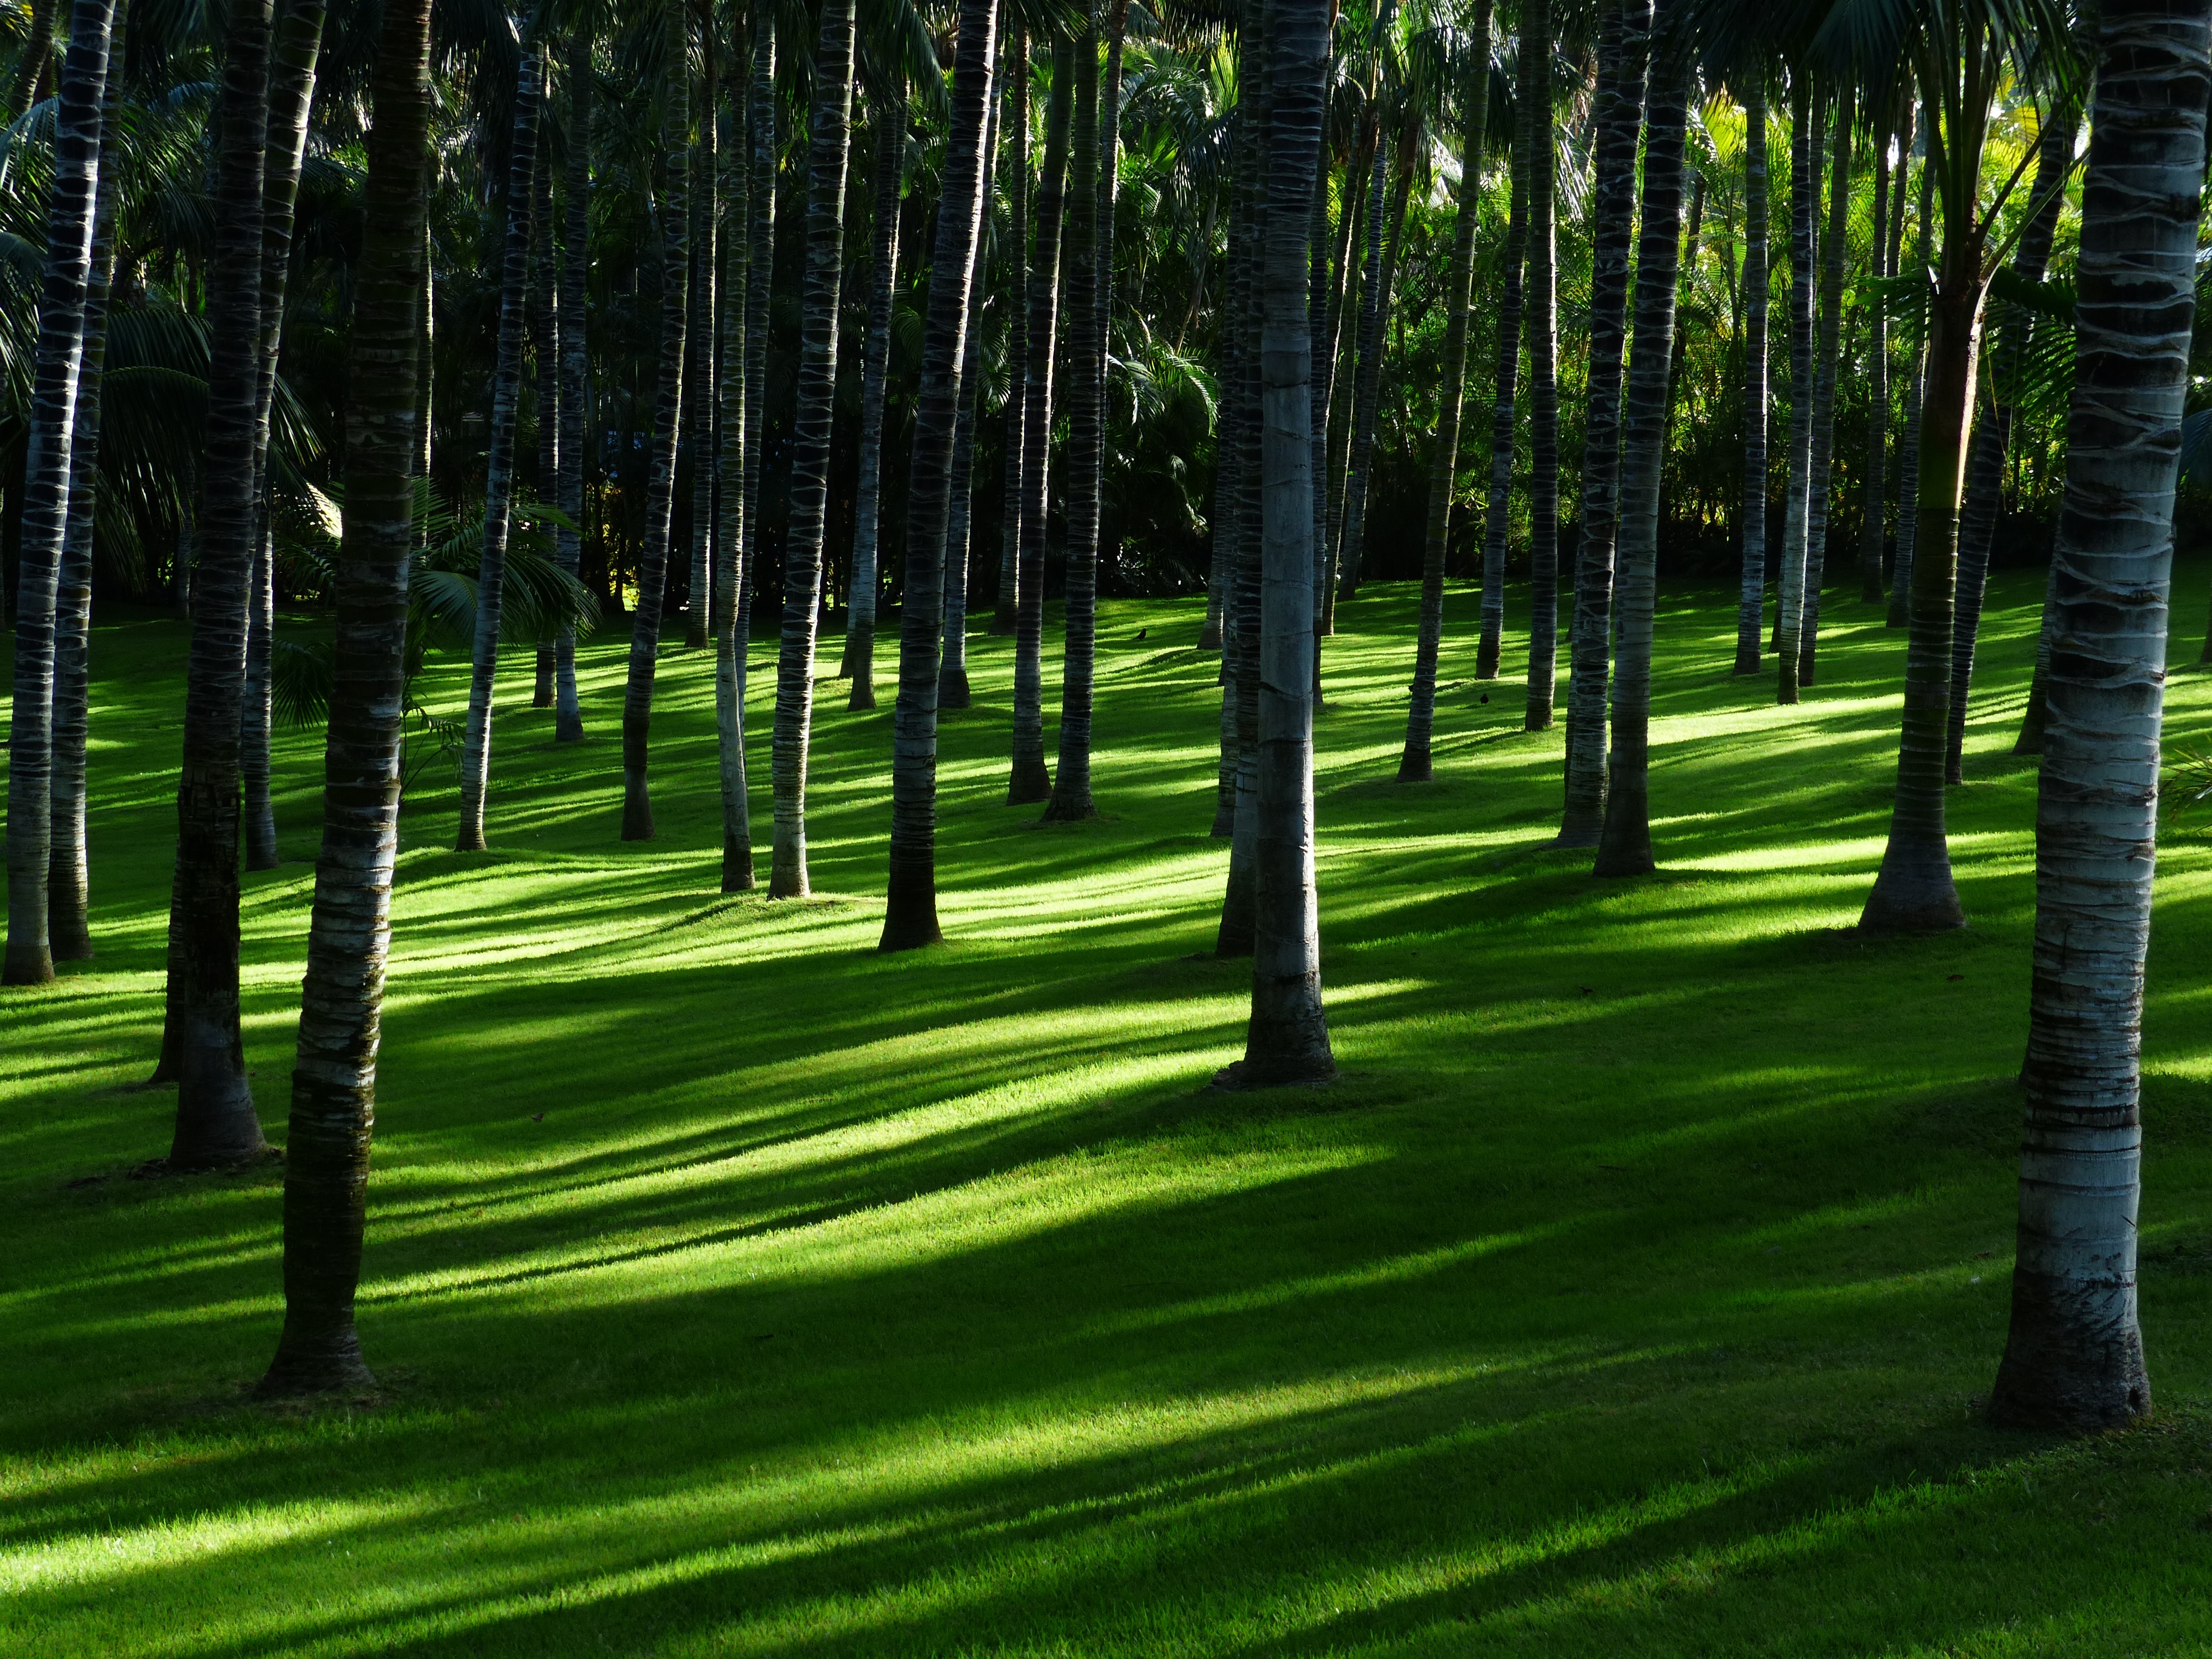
x: 740, y: 1291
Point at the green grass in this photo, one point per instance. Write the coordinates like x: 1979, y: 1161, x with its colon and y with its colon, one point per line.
x: 738, y: 1291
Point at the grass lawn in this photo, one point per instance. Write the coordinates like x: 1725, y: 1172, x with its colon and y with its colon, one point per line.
x: 736, y: 1291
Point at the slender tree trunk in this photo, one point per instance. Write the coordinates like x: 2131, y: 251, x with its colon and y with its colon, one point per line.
x: 1228, y: 453
x: 1384, y: 233
x: 1623, y: 49
x: 1871, y: 531
x: 1625, y: 847
x: 1287, y: 1040
x: 1109, y: 150
x: 1804, y: 212
x: 1753, y: 596
x: 545, y: 360
x: 667, y: 423
x: 952, y: 670
x: 1977, y: 514
x: 1029, y: 781
x: 71, y: 215
x: 1335, y: 435
x: 1497, y: 509
x: 1319, y: 285
x: 828, y: 139
x: 733, y: 603
x: 1908, y: 445
x: 1012, y: 447
x: 215, y: 1121
x: 1070, y: 801
x: 2035, y: 721
x: 38, y: 44
x: 1824, y: 389
x: 875, y: 372
x: 910, y: 914
x: 334, y: 1078
x: 699, y: 372
x: 70, y: 867
x: 1541, y: 300
x: 576, y: 367
x: 2074, y: 1357
x: 761, y: 119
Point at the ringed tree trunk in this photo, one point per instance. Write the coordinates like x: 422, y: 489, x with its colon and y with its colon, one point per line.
x: 699, y: 373
x: 667, y: 425
x: 1227, y: 612
x: 291, y: 95
x: 1908, y: 443
x: 731, y: 599
x: 828, y: 139
x: 1227, y: 451
x: 215, y: 1121
x: 1340, y: 375
x: 1871, y: 531
x: 1823, y: 387
x: 1011, y: 448
x: 1625, y: 849
x: 1623, y: 49
x: 1804, y: 212
x: 876, y: 361
x: 911, y: 914
x: 2074, y: 1356
x: 545, y: 357
x: 1070, y: 800
x: 69, y: 879
x: 952, y: 665
x: 38, y: 43
x: 1992, y: 439
x: 499, y: 462
x: 334, y: 1077
x: 762, y: 110
x: 1385, y: 229
x: 1415, y: 764
x: 71, y: 215
x: 1751, y: 601
x: 1029, y: 781
x: 1287, y: 1039
x: 575, y: 367
x: 1541, y: 322
x: 1497, y: 509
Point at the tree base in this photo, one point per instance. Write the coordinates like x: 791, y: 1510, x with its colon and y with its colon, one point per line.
x: 2057, y: 1377
x: 1920, y: 901
x: 27, y: 964
x: 1002, y: 622
x: 1062, y: 809
x: 569, y: 728
x: 953, y: 689
x: 695, y: 638
x: 1577, y: 837
x: 1030, y: 783
x: 910, y: 919
x: 737, y: 866
x: 308, y: 1367
x: 1750, y: 664
x: 1304, y: 1073
x: 470, y: 838
x: 76, y: 947
x: 1414, y: 766
x: 863, y: 699
x: 1536, y: 719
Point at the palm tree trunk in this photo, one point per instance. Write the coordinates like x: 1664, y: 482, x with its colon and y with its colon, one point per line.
x: 71, y: 216
x: 1287, y: 1039
x: 334, y: 1078
x: 761, y: 120
x: 1752, y: 599
x: 1824, y: 388
x: 1977, y: 516
x: 576, y: 367
x: 38, y: 43
x: 1625, y: 847
x: 699, y: 337
x: 876, y: 359
x: 1541, y: 321
x: 1373, y: 216
x: 499, y: 462
x: 545, y: 320
x: 1623, y: 50
x: 1384, y: 236
x: 952, y: 669
x: 69, y: 879
x: 216, y: 1123
x: 1497, y: 508
x: 732, y: 600
x: 291, y: 94
x: 1871, y: 530
x: 828, y: 140
x: 910, y: 914
x: 1908, y: 442
x: 2035, y: 721
x: 1011, y: 448
x: 1029, y: 781
x: 1804, y: 212
x: 1071, y: 800
x: 1334, y: 440
x: 2074, y: 1356
x: 1226, y: 616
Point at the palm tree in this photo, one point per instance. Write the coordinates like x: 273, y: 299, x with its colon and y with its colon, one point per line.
x: 499, y: 463
x: 910, y: 914
x: 1385, y: 228
x: 1623, y: 45
x: 334, y: 1080
x: 699, y: 339
x: 2074, y: 1357
x: 1540, y: 320
x: 545, y: 358
x: 575, y: 364
x: 667, y: 423
x: 1908, y: 441
x: 1414, y: 765
x: 1756, y: 282
x: 1510, y: 308
x: 1829, y: 337
x: 829, y: 138
x: 889, y: 117
x: 1287, y: 1038
x: 298, y: 40
x: 216, y: 1123
x: 761, y: 120
x: 71, y: 216
x: 1070, y: 800
x: 1871, y: 528
x: 728, y: 580
x: 38, y: 42
x: 1804, y: 215
x: 1624, y: 849
x: 1992, y: 439
x: 68, y: 880
x: 1016, y: 166
x: 1028, y: 781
